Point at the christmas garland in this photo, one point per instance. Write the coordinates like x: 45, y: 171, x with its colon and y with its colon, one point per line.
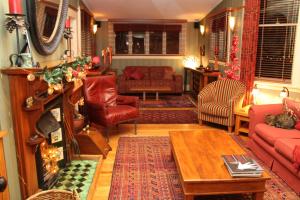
x: 65, y: 72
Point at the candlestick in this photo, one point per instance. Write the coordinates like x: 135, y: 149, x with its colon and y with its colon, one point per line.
x: 15, y: 6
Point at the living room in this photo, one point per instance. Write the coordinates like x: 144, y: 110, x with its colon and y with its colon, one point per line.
x: 150, y: 99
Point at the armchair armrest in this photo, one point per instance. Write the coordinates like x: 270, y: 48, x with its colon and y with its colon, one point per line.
x: 257, y: 114
x: 128, y: 100
x: 205, y: 95
x: 96, y: 112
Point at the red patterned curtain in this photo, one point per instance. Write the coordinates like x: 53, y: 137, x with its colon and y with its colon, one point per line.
x: 249, y: 46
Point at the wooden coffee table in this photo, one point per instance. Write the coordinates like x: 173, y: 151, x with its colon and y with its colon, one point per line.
x: 202, y: 171
x: 154, y: 89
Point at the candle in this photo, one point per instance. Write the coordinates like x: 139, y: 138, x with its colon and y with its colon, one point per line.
x: 15, y: 6
x: 68, y: 23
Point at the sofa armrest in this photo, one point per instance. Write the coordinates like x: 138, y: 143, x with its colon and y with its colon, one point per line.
x: 178, y: 83
x: 257, y: 114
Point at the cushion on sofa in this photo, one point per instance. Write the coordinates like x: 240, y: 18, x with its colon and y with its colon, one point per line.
x: 270, y: 133
x: 128, y: 71
x: 297, y: 126
x: 286, y: 146
x: 131, y: 69
x: 157, y: 73
x: 292, y: 106
x: 168, y: 74
x: 217, y: 109
x: 137, y: 75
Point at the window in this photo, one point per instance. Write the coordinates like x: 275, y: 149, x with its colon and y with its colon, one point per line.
x: 87, y: 36
x: 218, y: 37
x: 156, y: 39
x: 172, y: 43
x: 147, y: 39
x: 276, y: 39
x: 138, y: 41
x: 122, y: 43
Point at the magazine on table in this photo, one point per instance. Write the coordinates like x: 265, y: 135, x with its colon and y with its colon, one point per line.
x: 242, y: 166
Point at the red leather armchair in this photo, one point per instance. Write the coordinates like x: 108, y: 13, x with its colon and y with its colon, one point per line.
x: 104, y: 106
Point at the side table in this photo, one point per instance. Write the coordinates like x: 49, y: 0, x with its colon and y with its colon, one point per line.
x: 242, y: 120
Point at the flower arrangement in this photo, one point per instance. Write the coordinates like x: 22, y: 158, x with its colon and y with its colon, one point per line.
x: 234, y: 67
x: 65, y: 72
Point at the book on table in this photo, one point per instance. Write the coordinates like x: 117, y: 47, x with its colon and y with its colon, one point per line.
x: 242, y: 166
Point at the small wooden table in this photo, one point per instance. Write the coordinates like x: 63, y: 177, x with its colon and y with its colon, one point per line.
x: 201, y: 169
x: 154, y: 89
x: 241, y: 117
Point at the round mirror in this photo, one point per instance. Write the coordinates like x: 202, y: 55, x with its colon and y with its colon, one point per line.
x: 46, y: 20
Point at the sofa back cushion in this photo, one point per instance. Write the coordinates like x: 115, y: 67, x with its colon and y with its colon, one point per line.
x: 292, y: 107
x: 160, y: 72
x: 129, y: 70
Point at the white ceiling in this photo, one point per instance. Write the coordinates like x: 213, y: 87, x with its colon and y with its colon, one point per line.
x: 150, y: 9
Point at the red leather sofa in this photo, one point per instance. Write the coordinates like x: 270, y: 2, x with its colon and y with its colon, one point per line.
x: 149, y: 76
x: 274, y: 146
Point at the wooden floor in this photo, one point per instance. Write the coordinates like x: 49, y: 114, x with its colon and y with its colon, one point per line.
x: 104, y: 180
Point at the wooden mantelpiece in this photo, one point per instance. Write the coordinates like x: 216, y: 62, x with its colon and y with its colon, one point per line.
x: 24, y: 121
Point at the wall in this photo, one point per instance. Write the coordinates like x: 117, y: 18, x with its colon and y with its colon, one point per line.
x: 7, y: 47
x: 238, y: 14
x: 119, y: 62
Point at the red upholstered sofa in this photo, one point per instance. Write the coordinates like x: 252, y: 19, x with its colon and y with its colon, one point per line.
x: 149, y: 76
x: 275, y: 146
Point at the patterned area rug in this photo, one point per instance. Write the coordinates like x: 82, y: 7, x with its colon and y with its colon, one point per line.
x: 168, y: 101
x: 144, y: 169
x: 78, y: 175
x: 168, y: 117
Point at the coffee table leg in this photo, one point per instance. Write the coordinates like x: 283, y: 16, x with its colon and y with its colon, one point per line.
x: 156, y: 96
x: 144, y: 96
x: 258, y: 196
x: 188, y: 197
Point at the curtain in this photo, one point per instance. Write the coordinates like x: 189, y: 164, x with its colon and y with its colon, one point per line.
x: 249, y: 46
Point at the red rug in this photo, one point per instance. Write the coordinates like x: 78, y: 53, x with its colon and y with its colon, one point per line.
x: 168, y: 117
x: 168, y: 101
x: 144, y: 169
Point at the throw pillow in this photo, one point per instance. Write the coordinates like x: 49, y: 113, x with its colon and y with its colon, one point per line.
x: 128, y: 71
x: 283, y: 120
x: 297, y: 126
x: 137, y: 75
x: 292, y: 107
x: 168, y: 75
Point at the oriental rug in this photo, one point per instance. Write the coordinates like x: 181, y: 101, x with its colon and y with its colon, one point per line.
x: 169, y: 101
x: 144, y: 169
x: 168, y: 117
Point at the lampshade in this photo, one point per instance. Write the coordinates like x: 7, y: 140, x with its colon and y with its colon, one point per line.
x: 191, y: 62
x: 231, y: 22
x: 284, y: 92
x: 202, y: 29
x: 95, y: 27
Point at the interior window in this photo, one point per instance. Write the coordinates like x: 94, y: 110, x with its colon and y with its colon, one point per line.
x: 138, y: 39
x: 156, y: 39
x: 122, y: 43
x: 172, y: 43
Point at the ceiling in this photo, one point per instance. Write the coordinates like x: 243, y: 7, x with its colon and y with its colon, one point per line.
x: 150, y: 9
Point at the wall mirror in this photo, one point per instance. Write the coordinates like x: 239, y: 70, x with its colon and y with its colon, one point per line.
x: 46, y: 20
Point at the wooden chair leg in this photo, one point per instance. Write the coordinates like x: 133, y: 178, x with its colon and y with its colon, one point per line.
x: 135, y: 127
x: 106, y: 129
x: 200, y: 122
x: 230, y: 129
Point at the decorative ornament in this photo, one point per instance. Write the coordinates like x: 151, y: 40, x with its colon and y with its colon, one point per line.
x: 234, y: 67
x: 50, y: 156
x: 50, y: 90
x: 31, y: 77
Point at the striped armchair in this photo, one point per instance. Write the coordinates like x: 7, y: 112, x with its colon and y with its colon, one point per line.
x: 217, y: 101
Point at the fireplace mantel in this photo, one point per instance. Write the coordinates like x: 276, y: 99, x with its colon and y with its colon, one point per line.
x: 24, y: 120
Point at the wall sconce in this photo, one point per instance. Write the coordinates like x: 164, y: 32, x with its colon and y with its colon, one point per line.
x: 96, y: 26
x: 202, y: 29
x: 284, y: 92
x: 231, y: 22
